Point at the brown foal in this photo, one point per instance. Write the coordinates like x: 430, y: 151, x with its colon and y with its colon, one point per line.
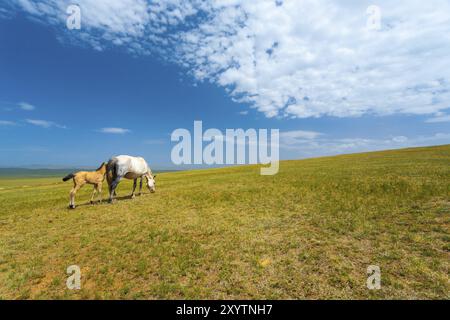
x: 87, y: 177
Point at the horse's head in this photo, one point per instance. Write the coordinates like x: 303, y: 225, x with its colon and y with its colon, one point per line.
x: 151, y: 183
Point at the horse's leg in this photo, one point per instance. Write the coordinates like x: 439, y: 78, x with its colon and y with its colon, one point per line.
x: 134, y: 188
x: 110, y: 188
x: 113, y: 187
x: 109, y: 180
x: 140, y: 187
x: 93, y: 193
x: 113, y: 191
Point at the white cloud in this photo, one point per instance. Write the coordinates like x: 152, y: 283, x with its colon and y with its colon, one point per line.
x: 7, y: 123
x: 26, y: 106
x: 243, y: 113
x: 312, y: 58
x: 114, y: 130
x: 44, y: 123
x: 138, y: 25
x: 303, y: 58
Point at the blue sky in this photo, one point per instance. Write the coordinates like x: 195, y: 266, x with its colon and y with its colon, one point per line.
x: 136, y: 71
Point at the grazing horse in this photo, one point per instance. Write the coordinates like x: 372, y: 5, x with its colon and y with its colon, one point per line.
x: 130, y: 168
x: 90, y: 177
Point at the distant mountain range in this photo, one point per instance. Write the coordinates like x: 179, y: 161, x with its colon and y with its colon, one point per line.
x: 46, y: 172
x: 26, y: 172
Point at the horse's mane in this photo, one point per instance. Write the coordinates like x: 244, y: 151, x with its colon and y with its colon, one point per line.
x: 101, y: 166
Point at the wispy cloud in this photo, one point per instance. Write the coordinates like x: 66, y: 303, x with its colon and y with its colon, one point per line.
x: 7, y: 123
x: 11, y: 106
x: 325, y: 145
x: 5, y: 13
x: 326, y: 63
x: 439, y: 119
x: 44, y: 123
x: 156, y: 141
x: 297, y: 136
x: 26, y: 106
x: 114, y: 130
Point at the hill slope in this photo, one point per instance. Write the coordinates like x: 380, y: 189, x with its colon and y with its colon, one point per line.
x: 309, y: 232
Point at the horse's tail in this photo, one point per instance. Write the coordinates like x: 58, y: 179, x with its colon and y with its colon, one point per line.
x: 68, y: 177
x: 111, y: 170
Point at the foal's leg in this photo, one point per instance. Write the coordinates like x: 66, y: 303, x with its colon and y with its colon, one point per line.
x: 72, y: 198
x: 93, y: 193
x: 140, y: 187
x: 99, y: 190
x: 74, y: 190
x: 134, y: 188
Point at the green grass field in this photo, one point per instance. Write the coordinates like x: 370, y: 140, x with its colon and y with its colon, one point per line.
x: 309, y: 232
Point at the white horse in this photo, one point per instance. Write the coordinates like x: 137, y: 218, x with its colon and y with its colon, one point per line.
x: 130, y: 168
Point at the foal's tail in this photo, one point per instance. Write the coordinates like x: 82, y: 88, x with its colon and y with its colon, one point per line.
x: 68, y: 177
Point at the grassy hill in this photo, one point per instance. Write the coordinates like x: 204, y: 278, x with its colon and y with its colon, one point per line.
x: 309, y: 232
